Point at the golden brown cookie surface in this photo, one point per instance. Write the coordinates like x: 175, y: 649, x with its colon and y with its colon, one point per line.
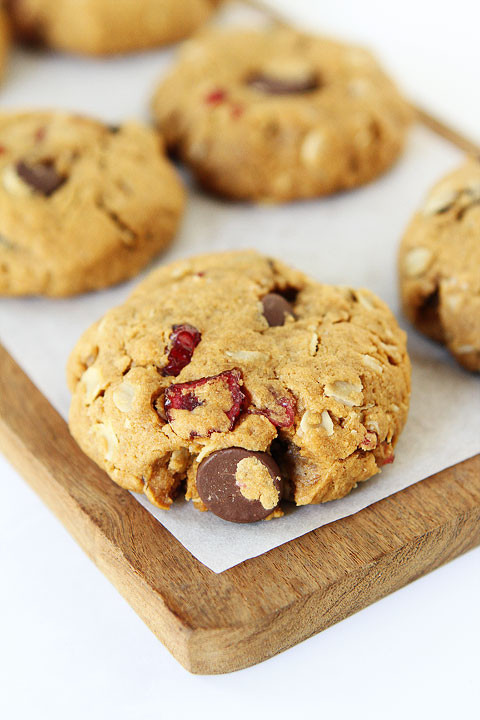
x: 279, y: 115
x: 439, y: 265
x: 4, y: 40
x: 192, y: 365
x: 82, y: 206
x: 99, y: 27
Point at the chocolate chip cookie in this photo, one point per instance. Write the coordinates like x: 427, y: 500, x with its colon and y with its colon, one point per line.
x: 239, y: 381
x: 439, y: 265
x: 277, y: 115
x: 82, y: 205
x: 99, y: 27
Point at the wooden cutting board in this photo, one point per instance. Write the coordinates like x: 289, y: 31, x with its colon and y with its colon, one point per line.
x: 219, y: 623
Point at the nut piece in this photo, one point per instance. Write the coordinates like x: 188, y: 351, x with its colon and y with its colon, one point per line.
x: 417, y: 261
x: 440, y: 200
x: 372, y: 363
x: 123, y: 396
x: 327, y: 422
x: 93, y: 382
x: 247, y: 356
x: 312, y: 146
x: 364, y: 300
x: 13, y: 184
x: 345, y: 392
x: 108, y: 439
x: 312, y: 421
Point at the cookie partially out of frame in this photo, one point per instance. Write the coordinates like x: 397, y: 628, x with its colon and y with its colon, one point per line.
x: 4, y: 40
x: 439, y: 265
x: 100, y: 27
x: 82, y: 205
x: 278, y: 115
x: 237, y: 380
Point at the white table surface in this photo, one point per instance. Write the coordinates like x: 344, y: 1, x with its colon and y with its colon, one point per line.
x: 71, y: 647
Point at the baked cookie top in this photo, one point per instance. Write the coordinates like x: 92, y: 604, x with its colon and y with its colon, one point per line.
x: 99, y: 27
x: 238, y: 352
x: 4, y: 40
x: 82, y: 205
x: 439, y: 264
x: 278, y: 114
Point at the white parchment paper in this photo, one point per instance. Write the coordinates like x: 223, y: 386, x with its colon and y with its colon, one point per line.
x: 350, y: 239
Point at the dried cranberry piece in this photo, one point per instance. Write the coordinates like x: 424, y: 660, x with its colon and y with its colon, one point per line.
x: 185, y: 396
x: 282, y: 412
x: 215, y: 97
x: 184, y: 340
x: 370, y: 442
x: 40, y: 134
x: 384, y: 454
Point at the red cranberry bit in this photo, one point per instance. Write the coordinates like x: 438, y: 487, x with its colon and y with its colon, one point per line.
x: 282, y: 412
x: 183, y: 397
x: 184, y: 340
x: 237, y: 111
x: 40, y: 134
x: 387, y: 452
x: 370, y: 441
x: 233, y: 379
x: 386, y: 460
x: 215, y: 97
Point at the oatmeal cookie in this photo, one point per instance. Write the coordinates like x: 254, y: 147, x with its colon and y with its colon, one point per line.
x: 82, y: 205
x: 101, y: 27
x: 240, y: 381
x: 278, y: 115
x: 439, y: 265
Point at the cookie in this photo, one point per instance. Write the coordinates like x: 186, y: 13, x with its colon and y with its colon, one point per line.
x: 82, y: 205
x: 4, y: 40
x: 100, y: 27
x: 239, y: 381
x: 439, y: 265
x: 278, y: 115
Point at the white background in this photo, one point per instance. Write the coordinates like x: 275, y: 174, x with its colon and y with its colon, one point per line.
x: 70, y: 647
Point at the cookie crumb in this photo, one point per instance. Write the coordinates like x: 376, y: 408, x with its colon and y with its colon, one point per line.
x: 256, y: 483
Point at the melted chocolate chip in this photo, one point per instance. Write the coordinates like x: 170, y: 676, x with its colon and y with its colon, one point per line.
x: 272, y: 85
x: 276, y: 309
x: 42, y: 177
x: 217, y: 486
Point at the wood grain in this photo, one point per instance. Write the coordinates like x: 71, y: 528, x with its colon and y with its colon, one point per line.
x: 450, y: 134
x: 220, y: 623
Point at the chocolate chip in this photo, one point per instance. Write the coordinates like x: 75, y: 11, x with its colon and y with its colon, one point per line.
x: 218, y: 489
x: 42, y: 176
x: 275, y: 309
x: 27, y: 25
x: 283, y: 86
